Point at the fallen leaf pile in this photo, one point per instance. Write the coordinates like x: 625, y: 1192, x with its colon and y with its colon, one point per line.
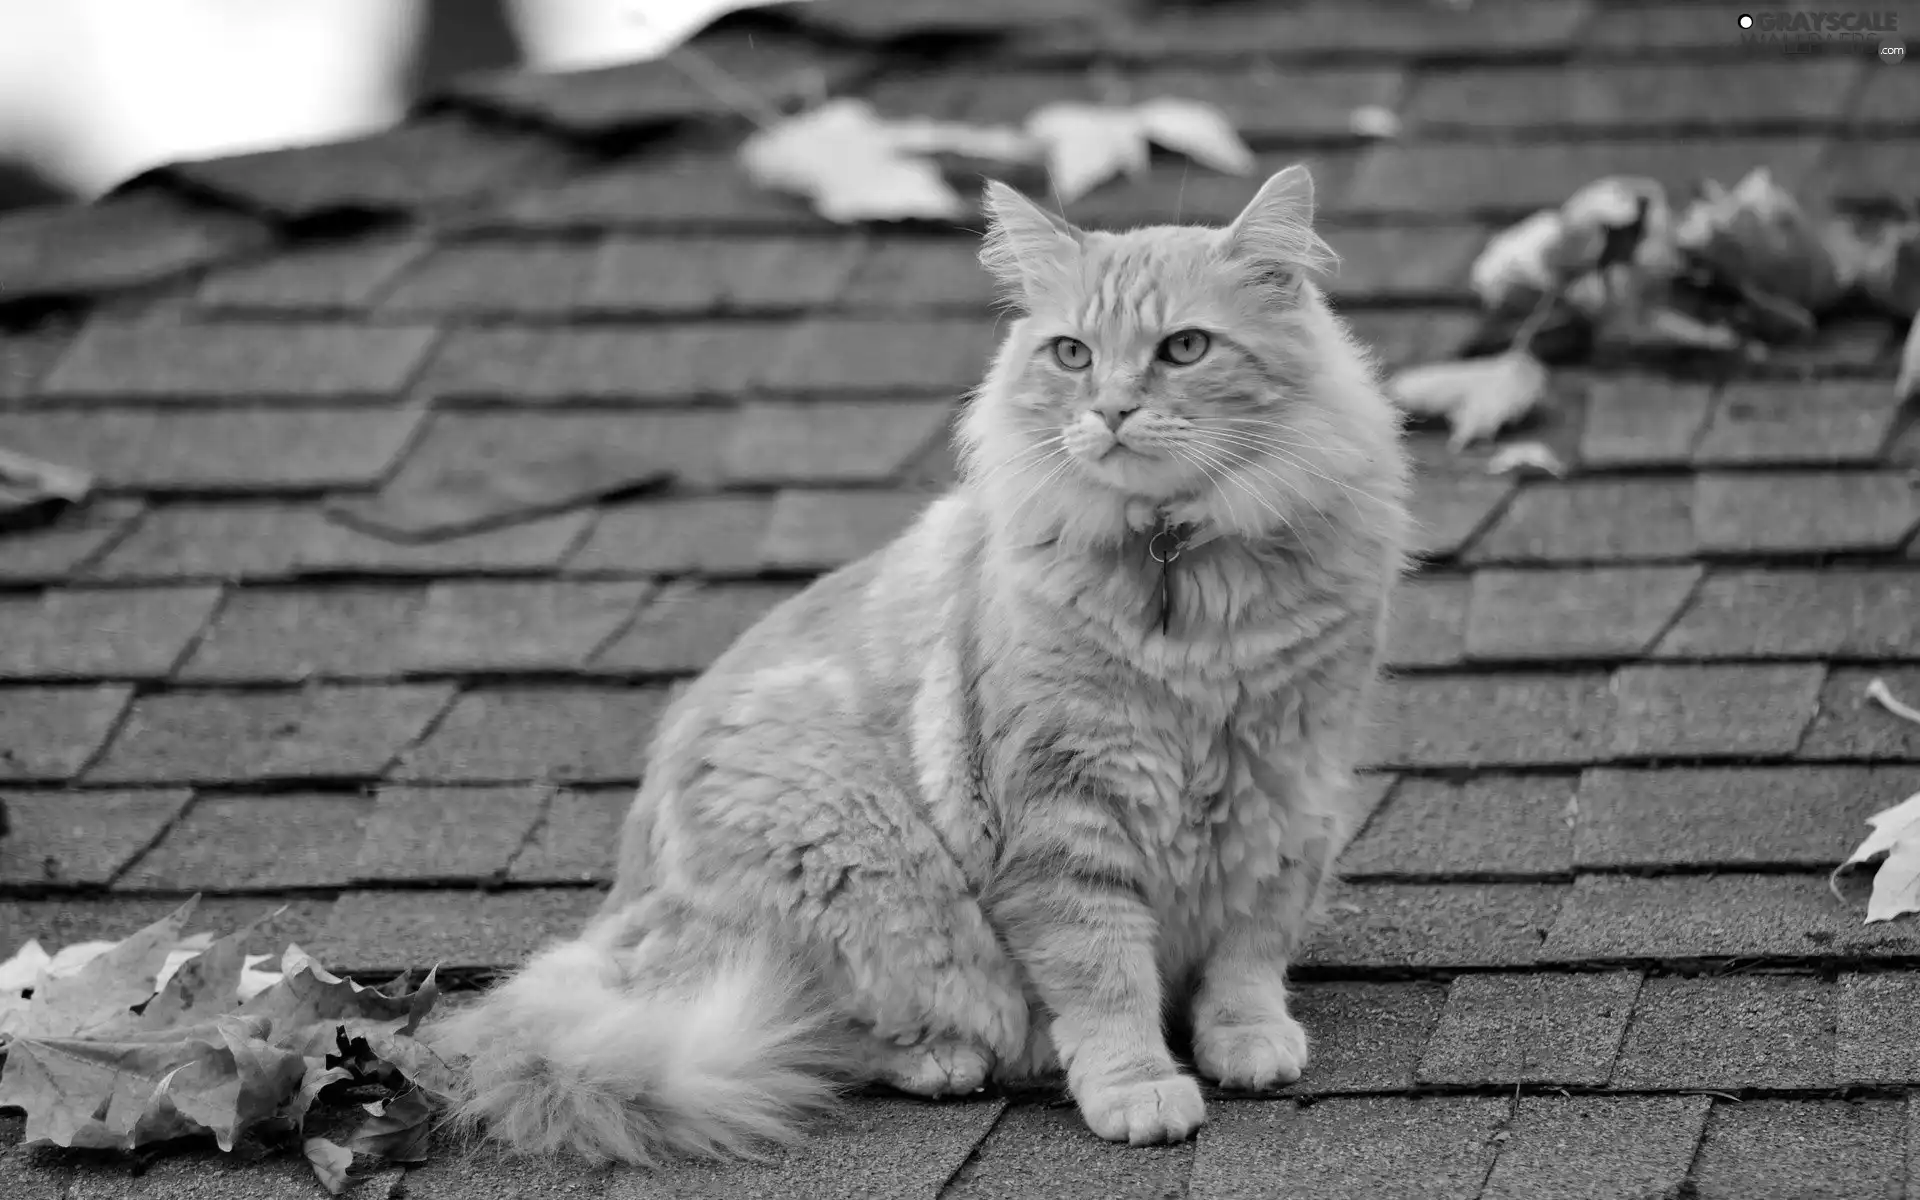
x: 163, y: 1036
x: 855, y: 165
x: 1733, y: 268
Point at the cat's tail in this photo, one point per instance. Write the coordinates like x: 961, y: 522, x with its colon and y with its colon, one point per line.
x: 635, y: 1049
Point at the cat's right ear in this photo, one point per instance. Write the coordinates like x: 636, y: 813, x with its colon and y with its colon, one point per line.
x: 1025, y: 247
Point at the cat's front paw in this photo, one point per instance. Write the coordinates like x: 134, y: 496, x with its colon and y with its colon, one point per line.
x: 1143, y: 1112
x: 1255, y: 1056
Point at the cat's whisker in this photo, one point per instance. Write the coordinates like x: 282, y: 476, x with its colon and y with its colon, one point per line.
x: 1287, y: 453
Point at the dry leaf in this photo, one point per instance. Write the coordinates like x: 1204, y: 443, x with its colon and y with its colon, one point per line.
x: 1894, y: 845
x: 1085, y: 145
x: 1374, y: 121
x: 1881, y: 694
x: 1757, y: 233
x: 1514, y: 269
x: 1888, y: 270
x: 855, y: 165
x: 330, y: 1163
x: 1519, y: 457
x: 1907, y: 385
x: 1479, y: 397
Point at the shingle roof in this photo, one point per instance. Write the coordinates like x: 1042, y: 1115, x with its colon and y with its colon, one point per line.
x: 1585, y: 947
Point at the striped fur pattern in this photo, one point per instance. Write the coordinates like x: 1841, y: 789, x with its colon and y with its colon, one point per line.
x: 1007, y: 795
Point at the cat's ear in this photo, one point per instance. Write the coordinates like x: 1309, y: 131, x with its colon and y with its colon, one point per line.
x: 1025, y: 247
x: 1274, y: 236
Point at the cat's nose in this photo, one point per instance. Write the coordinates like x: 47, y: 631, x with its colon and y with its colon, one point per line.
x: 1113, y: 412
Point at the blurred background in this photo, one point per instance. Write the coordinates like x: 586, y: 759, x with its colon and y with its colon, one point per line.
x: 92, y: 92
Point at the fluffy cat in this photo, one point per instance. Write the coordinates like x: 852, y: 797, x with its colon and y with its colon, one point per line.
x: 1073, y: 750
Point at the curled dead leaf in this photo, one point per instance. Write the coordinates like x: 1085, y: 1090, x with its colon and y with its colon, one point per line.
x: 1478, y: 396
x: 330, y: 1163
x: 1756, y: 233
x: 1521, y: 457
x: 1881, y: 694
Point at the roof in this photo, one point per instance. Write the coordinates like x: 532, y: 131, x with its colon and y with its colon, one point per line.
x: 436, y: 457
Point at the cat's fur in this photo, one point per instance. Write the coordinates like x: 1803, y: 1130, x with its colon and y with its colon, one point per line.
x: 964, y: 809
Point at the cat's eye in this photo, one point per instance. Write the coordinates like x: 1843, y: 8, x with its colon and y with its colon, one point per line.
x: 1072, y: 353
x: 1185, y: 347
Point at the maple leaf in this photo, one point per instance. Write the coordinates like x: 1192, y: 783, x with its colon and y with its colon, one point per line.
x: 1477, y: 396
x: 1088, y: 144
x: 855, y: 165
x: 1894, y: 845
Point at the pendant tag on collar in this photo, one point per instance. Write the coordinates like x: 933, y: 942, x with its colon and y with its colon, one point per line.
x: 1168, y: 543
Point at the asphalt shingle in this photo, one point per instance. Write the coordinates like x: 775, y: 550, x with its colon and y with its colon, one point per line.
x: 1610, y: 918
x: 1593, y: 520
x: 247, y: 843
x: 1825, y: 513
x: 289, y: 635
x: 685, y: 627
x: 126, y: 634
x: 245, y: 450
x: 496, y: 627
x: 1750, y: 710
x: 893, y: 1148
x: 705, y: 535
x: 1434, y: 925
x: 348, y: 731
x: 1767, y: 423
x: 1602, y: 612
x: 1390, y: 1148
x: 830, y: 443
x: 52, y: 552
x: 1733, y: 817
x: 68, y: 839
x: 1799, y: 613
x: 447, y: 834
x: 1874, y: 1019
x: 1365, y: 1037
x: 817, y: 529
x: 577, y: 840
x: 1573, y: 1147
x: 1729, y: 1032
x: 1486, y: 720
x: 572, y: 734
x: 1824, y: 1147
x: 1642, y: 421
x: 49, y: 733
x: 1045, y: 1149
x: 1850, y: 725
x: 376, y: 931
x: 1428, y: 622
x: 1558, y: 1029
x: 1493, y: 825
x: 238, y: 361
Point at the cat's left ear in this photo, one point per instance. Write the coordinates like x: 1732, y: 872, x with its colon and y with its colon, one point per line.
x: 1274, y: 234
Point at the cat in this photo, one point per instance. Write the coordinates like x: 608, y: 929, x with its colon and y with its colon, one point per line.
x: 1075, y: 748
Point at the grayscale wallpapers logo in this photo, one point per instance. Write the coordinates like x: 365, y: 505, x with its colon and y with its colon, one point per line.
x: 1809, y: 31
